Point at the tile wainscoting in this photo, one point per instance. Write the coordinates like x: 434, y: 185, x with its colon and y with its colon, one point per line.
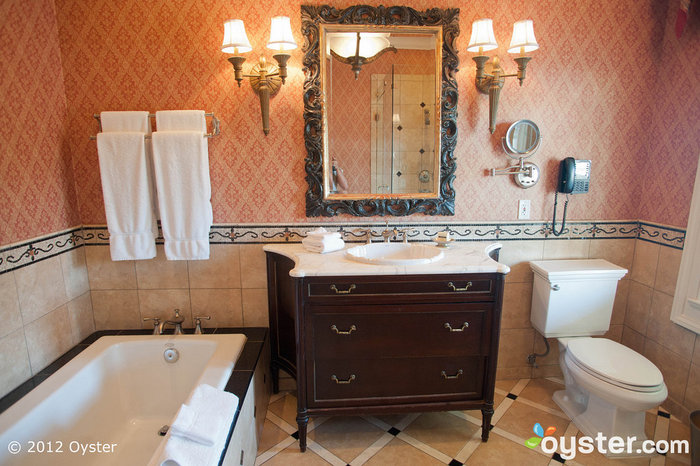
x: 56, y: 289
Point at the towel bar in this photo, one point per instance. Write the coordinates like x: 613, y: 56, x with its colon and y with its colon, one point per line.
x: 214, y: 122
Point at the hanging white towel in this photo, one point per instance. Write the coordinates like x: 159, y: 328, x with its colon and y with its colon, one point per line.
x: 181, y: 120
x: 210, y: 413
x: 184, y: 191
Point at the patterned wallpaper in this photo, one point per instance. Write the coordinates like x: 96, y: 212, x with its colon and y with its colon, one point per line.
x: 36, y: 181
x: 592, y: 88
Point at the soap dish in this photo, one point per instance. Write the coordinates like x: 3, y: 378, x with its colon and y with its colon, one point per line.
x: 443, y: 243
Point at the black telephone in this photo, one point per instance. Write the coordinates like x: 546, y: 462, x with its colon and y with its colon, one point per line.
x: 574, y: 178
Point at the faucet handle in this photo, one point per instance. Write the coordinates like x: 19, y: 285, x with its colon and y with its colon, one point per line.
x: 366, y: 231
x: 198, y: 324
x: 156, y: 323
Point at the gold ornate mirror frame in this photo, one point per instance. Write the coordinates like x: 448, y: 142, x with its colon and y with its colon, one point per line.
x: 317, y: 204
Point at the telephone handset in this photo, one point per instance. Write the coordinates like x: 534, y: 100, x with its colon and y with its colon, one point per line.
x: 574, y: 178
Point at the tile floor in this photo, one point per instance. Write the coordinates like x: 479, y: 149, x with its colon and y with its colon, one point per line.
x: 452, y: 438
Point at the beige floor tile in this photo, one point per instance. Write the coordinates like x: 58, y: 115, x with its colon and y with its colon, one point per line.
x: 285, y: 408
x: 271, y: 436
x: 678, y: 431
x: 506, y: 385
x: 520, y: 418
x: 391, y: 419
x: 291, y: 456
x: 598, y: 459
x: 442, y: 431
x: 346, y: 436
x: 540, y: 391
x: 398, y: 452
x: 499, y: 450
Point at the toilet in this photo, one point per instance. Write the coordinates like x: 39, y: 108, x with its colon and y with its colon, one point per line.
x: 608, y: 386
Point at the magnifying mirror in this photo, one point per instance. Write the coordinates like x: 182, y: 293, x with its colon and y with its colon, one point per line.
x: 522, y: 139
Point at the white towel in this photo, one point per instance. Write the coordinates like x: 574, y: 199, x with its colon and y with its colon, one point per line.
x: 127, y: 195
x: 322, y: 233
x: 184, y: 192
x: 323, y: 244
x: 210, y: 415
x: 181, y: 120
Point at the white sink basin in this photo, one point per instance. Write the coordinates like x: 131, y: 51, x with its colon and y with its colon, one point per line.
x: 394, y: 254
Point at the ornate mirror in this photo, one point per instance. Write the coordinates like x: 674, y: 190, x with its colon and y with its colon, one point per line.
x: 380, y: 101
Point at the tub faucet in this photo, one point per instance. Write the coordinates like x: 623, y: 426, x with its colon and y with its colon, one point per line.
x: 156, y: 324
x: 176, y: 322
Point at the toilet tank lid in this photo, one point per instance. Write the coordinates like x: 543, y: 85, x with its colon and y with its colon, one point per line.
x: 577, y: 268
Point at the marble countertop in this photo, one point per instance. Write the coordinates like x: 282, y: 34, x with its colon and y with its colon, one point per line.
x: 462, y: 257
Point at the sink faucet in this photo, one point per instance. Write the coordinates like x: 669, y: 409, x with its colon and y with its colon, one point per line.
x: 388, y: 234
x: 176, y: 322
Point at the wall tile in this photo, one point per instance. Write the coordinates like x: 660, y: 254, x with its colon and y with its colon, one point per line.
x: 692, y: 392
x: 10, y: 316
x: 620, y: 304
x: 255, y: 313
x: 514, y: 347
x: 517, y: 301
x: 75, y: 273
x: 563, y: 249
x: 222, y: 270
x: 646, y: 258
x: 614, y: 333
x: 222, y: 305
x: 40, y: 288
x: 160, y: 273
x: 517, y: 255
x: 666, y: 333
x: 638, y: 305
x: 253, y: 266
x: 106, y: 274
x: 633, y: 339
x: 551, y: 370
x: 618, y: 251
x: 553, y: 357
x: 14, y: 361
x: 505, y: 373
x: 162, y: 303
x: 696, y: 353
x: 673, y: 367
x: 48, y: 338
x: 82, y: 320
x: 116, y: 309
x: 667, y: 270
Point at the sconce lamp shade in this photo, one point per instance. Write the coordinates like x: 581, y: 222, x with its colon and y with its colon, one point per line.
x: 281, y: 34
x: 235, y: 38
x: 523, y: 40
x: 482, y: 38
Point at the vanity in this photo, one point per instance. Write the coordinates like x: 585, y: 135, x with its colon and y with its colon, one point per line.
x: 365, y: 338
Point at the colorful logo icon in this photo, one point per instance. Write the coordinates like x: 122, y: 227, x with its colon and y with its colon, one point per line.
x: 532, y: 442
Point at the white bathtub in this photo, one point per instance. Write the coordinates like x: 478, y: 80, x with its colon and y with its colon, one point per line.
x: 107, y: 404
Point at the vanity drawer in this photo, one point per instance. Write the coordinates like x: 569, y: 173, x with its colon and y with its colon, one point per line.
x: 387, y: 381
x: 475, y: 287
x: 400, y: 331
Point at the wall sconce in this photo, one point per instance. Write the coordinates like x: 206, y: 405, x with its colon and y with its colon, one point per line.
x: 265, y: 79
x: 490, y: 77
x: 360, y: 48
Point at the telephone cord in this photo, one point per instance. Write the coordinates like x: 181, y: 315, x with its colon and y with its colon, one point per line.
x: 554, y: 219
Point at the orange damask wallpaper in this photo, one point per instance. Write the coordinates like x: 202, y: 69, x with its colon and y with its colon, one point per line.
x: 610, y: 83
x: 37, y: 194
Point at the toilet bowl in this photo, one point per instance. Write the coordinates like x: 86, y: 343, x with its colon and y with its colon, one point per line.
x: 608, y: 386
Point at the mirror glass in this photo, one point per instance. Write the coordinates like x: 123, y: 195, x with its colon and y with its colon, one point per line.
x: 522, y: 139
x: 380, y: 109
x: 382, y: 118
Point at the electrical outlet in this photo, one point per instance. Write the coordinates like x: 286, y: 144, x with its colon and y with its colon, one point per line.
x: 524, y: 209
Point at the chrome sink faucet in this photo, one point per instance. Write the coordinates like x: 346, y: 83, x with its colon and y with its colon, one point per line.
x: 176, y: 322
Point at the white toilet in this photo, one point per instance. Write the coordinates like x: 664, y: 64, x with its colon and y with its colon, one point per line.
x: 608, y: 385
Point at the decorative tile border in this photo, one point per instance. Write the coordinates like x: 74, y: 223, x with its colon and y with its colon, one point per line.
x: 21, y: 254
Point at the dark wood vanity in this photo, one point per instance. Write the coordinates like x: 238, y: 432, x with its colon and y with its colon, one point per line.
x: 376, y: 344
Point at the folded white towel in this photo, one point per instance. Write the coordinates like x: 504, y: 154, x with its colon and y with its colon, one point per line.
x: 323, y: 245
x: 127, y: 195
x: 181, y: 120
x: 125, y: 121
x: 322, y: 233
x: 184, y: 191
x: 210, y: 413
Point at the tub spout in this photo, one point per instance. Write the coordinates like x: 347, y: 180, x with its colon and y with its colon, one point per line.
x: 176, y: 322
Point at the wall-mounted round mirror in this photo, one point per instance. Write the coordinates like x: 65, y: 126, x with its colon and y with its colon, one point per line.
x: 522, y: 139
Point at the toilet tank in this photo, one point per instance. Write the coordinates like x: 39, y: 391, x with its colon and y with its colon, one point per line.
x: 573, y: 297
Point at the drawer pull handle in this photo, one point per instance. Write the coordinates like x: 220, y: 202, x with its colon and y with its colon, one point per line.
x: 449, y: 327
x: 337, y: 291
x: 341, y: 332
x: 454, y: 288
x: 347, y: 381
x: 456, y: 376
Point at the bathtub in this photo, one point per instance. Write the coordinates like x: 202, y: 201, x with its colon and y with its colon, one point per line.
x: 107, y: 404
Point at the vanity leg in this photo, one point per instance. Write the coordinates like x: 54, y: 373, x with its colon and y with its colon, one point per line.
x: 486, y: 414
x: 302, y: 422
x: 275, y: 374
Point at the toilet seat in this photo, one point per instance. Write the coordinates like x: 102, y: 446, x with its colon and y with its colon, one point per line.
x: 614, y: 363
